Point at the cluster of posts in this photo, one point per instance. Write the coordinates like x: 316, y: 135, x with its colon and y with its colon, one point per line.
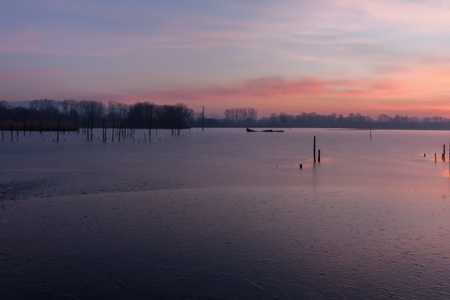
x: 314, y: 151
x: 314, y: 154
x: 60, y: 129
x: 442, y: 155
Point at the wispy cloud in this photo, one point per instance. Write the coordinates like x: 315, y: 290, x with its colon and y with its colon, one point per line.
x: 287, y: 55
x: 415, y: 16
x: 24, y: 73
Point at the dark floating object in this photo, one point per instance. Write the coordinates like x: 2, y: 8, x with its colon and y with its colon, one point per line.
x: 301, y: 166
x: 270, y: 130
x: 267, y: 130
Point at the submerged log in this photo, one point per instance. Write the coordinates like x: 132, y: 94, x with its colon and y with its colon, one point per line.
x: 267, y: 130
x: 271, y: 130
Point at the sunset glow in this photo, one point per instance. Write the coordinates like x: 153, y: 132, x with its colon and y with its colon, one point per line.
x: 367, y: 57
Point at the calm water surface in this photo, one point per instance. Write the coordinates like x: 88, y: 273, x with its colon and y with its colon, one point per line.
x: 226, y: 214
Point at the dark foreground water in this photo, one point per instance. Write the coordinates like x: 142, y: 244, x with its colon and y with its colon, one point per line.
x: 226, y: 214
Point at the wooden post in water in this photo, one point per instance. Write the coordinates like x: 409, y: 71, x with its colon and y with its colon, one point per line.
x: 318, y: 157
x: 112, y: 135
x: 57, y: 132
x: 120, y: 130
x: 104, y: 130
x: 87, y: 129
x: 314, y: 148
x: 17, y: 131
x: 203, y: 118
x: 435, y: 160
x: 443, y: 153
x: 92, y: 126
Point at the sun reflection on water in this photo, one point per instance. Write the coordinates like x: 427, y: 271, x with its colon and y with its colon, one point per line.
x: 446, y: 173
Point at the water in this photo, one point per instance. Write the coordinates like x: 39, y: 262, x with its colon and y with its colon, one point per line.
x: 226, y: 214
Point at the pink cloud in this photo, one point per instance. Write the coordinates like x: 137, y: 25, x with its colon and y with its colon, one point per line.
x: 424, y: 16
x: 274, y: 88
x: 276, y: 94
x: 248, y: 89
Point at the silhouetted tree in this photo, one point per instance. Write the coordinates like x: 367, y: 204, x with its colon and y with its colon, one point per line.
x: 141, y: 114
x: 240, y: 116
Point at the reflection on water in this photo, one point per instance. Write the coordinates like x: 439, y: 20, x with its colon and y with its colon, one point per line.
x: 446, y: 173
x: 227, y: 215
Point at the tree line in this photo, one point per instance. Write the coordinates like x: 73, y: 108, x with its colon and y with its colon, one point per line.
x: 240, y: 117
x: 354, y: 120
x: 73, y: 115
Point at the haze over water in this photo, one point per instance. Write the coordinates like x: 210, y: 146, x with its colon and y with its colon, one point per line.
x: 226, y: 214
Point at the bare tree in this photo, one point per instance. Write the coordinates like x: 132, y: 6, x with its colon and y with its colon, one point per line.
x: 241, y: 116
x: 252, y: 114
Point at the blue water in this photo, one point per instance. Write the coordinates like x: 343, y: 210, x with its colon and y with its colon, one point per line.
x: 226, y: 214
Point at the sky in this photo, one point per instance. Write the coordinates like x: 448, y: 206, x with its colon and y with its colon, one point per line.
x: 323, y: 56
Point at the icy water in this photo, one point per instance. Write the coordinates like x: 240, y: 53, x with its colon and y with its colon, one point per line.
x: 226, y: 214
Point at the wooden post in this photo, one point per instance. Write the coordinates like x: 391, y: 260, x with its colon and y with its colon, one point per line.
x: 112, y: 135
x: 314, y: 148
x: 435, y: 157
x: 92, y: 125
x: 104, y: 130
x: 57, y: 131
x: 150, y: 129
x: 318, y: 158
x: 86, y: 128
x: 443, y: 153
x: 203, y: 118
x: 17, y: 131
x: 120, y: 130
